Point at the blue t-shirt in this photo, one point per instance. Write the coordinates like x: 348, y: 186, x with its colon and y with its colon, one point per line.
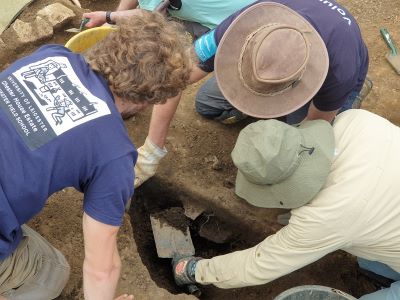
x: 59, y: 127
x: 348, y: 55
x: 208, y: 13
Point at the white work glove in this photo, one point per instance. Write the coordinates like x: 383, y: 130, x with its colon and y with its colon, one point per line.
x: 149, y: 156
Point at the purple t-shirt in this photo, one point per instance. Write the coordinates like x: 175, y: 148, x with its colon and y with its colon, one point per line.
x: 59, y: 127
x: 348, y: 55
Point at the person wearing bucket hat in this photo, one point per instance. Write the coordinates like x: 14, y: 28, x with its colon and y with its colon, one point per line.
x: 283, y: 58
x: 61, y: 123
x: 341, y: 184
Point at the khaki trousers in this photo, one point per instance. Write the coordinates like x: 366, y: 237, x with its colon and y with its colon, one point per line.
x: 34, y: 271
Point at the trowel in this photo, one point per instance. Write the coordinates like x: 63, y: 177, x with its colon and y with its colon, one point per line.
x: 81, y: 26
x: 171, y: 242
x: 393, y: 57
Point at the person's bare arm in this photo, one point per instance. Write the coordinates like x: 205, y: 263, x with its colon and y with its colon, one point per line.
x: 102, y: 264
x: 316, y: 114
x: 98, y: 18
x: 127, y: 4
x: 153, y: 150
x: 162, y: 115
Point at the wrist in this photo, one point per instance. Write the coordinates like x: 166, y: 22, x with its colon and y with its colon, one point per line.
x: 158, y: 151
x: 109, y: 19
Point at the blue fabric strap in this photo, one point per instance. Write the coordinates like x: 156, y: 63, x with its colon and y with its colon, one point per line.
x: 206, y: 46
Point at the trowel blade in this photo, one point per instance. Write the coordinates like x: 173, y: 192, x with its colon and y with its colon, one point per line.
x: 394, y: 61
x: 74, y: 30
x: 171, y: 241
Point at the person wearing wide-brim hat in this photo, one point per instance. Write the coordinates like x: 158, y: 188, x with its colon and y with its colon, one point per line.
x: 300, y: 59
x: 294, y: 58
x: 342, y: 185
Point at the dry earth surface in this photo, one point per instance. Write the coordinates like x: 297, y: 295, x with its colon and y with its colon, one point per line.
x: 189, y: 175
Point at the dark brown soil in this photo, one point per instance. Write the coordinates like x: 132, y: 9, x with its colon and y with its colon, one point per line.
x: 174, y: 217
x: 213, y: 229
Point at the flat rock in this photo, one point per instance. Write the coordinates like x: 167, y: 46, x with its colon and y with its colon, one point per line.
x: 216, y: 231
x: 192, y: 210
x: 33, y: 31
x: 56, y: 14
x: 3, y: 45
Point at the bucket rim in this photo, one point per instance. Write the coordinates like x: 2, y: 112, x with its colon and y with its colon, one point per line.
x: 320, y: 288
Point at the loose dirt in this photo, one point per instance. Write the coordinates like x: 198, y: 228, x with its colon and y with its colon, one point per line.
x: 174, y: 217
x: 199, y: 157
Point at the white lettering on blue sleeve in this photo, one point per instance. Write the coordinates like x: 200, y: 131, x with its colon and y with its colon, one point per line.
x: 205, y: 46
x: 338, y: 9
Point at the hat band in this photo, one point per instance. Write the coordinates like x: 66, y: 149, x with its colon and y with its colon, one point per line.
x: 282, y: 89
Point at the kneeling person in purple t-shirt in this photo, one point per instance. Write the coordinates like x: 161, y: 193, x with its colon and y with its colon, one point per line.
x: 61, y: 123
x: 267, y: 68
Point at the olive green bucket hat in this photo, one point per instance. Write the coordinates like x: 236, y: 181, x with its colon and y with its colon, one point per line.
x: 282, y: 166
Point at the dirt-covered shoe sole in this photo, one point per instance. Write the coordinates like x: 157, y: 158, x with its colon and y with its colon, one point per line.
x: 365, y: 90
x: 232, y: 116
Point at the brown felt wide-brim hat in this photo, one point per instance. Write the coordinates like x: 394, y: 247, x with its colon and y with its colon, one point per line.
x: 229, y: 53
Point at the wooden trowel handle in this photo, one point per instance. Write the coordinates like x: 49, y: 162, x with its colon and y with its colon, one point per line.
x: 162, y: 7
x: 168, y: 4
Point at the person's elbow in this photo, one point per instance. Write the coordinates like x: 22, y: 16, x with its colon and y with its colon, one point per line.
x: 103, y: 273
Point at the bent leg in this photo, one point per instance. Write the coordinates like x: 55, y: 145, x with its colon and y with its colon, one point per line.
x: 210, y: 102
x: 35, y: 271
x: 392, y: 293
x: 378, y: 268
x: 352, y: 101
x: 195, y: 29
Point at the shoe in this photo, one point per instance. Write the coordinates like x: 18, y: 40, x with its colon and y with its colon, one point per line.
x: 366, y: 88
x: 184, y: 269
x: 232, y: 116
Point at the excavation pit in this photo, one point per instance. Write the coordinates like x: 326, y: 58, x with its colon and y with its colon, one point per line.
x: 338, y: 270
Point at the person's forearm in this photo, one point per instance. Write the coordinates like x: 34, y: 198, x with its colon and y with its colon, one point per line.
x: 298, y: 244
x: 163, y: 114
x: 316, y: 114
x: 127, y: 4
x: 101, y: 285
x: 116, y: 16
x: 161, y: 118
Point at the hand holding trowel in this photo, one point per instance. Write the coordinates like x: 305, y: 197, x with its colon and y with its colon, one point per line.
x: 161, y: 8
x: 393, y: 56
x: 81, y: 26
x: 173, y: 242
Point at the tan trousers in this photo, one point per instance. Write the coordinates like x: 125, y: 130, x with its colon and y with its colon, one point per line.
x: 34, y: 271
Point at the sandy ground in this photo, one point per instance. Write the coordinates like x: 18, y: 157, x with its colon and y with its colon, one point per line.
x: 193, y: 144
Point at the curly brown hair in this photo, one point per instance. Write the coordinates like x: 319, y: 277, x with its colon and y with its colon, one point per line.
x: 147, y: 59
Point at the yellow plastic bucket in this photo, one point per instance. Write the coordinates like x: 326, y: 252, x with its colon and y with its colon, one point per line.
x: 87, y: 38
